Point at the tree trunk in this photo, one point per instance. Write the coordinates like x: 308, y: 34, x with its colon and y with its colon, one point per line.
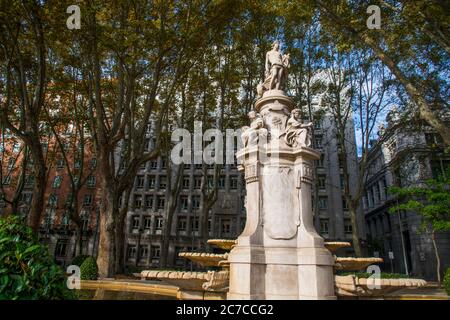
x: 119, y: 265
x: 105, y: 258
x: 355, y: 229
x: 438, y: 259
x: 37, y: 203
x: 168, y: 221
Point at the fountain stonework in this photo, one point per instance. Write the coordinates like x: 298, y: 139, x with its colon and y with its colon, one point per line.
x: 279, y: 255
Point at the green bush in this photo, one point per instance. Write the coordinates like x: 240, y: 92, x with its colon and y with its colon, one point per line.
x: 89, y: 269
x: 27, y: 271
x: 78, y: 260
x: 447, y: 281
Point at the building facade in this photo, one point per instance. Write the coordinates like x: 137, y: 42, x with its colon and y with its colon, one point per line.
x: 403, y: 158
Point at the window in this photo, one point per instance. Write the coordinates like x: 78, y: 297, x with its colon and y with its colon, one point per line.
x: 53, y: 200
x: 131, y: 252
x: 186, y: 182
x: 143, y: 253
x: 161, y: 202
x: 222, y: 182
x: 318, y: 141
x: 87, y: 201
x: 137, y: 201
x: 321, y: 181
x: 226, y: 227
x: 156, y: 252
x: 318, y: 125
x: 341, y: 181
x: 57, y: 182
x: 151, y: 182
x: 149, y: 201
x: 139, y: 182
x: 93, y: 163
x: 163, y: 163
x: 153, y: 165
x: 194, y: 224
x: 195, y: 202
x: 348, y: 226
x: 197, y: 182
x: 60, y: 164
x: 182, y: 224
x: 377, y: 193
x: 135, y: 222
x: 323, y: 225
x: 91, y: 181
x: 65, y: 221
x: 29, y: 181
x: 323, y: 202
x: 49, y: 217
x: 344, y: 204
x: 159, y: 223
x: 184, y: 201
x: 162, y: 182
x: 233, y: 182
x: 61, y: 248
x: 320, y: 162
x: 147, y: 223
x: 85, y: 219
x: 77, y: 164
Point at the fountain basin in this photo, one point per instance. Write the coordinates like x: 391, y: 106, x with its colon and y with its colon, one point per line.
x: 352, y: 285
x: 194, y: 285
x: 335, y: 245
x: 224, y: 244
x: 354, y: 264
x: 204, y: 259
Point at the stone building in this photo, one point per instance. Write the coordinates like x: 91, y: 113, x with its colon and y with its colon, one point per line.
x: 57, y: 230
x: 403, y: 158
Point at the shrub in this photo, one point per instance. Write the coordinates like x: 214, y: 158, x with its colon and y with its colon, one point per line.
x: 27, y: 271
x: 89, y: 269
x: 447, y: 281
x: 78, y: 260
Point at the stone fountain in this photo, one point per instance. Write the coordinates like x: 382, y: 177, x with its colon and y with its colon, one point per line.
x: 279, y: 255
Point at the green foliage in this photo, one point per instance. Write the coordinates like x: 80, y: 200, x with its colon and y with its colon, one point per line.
x: 431, y: 201
x: 78, y: 260
x: 447, y: 281
x: 27, y: 271
x: 89, y: 269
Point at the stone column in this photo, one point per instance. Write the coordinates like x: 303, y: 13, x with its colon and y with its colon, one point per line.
x: 279, y: 255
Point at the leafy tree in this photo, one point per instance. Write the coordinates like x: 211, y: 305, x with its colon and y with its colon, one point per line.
x: 432, y: 201
x: 27, y: 271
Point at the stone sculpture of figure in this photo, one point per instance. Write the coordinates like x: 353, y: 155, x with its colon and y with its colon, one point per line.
x: 276, y: 66
x: 251, y: 135
x: 297, y: 133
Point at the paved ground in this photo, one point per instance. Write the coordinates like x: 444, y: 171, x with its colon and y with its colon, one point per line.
x: 429, y: 292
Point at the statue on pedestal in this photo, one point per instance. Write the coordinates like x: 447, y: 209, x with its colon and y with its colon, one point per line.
x: 276, y: 73
x: 297, y: 133
x: 251, y: 135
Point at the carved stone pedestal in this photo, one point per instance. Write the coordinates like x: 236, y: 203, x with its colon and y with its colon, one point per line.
x: 279, y: 255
